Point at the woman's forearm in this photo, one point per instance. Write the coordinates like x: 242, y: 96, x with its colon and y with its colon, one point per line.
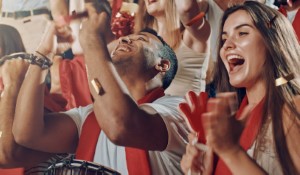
x: 239, y: 162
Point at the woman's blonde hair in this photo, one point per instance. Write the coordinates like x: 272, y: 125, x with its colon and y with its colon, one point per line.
x: 173, y: 30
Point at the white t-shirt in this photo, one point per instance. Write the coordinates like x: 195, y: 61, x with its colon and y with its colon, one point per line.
x: 164, y: 162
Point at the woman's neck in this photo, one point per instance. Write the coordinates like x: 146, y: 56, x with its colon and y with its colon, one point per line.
x: 256, y: 93
x: 160, y: 25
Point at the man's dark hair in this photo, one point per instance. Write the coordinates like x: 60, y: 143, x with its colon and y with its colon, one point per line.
x: 165, y: 52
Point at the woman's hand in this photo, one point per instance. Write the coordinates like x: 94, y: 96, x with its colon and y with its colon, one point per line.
x: 48, y: 42
x: 222, y: 129
x: 56, y: 39
x: 198, y: 158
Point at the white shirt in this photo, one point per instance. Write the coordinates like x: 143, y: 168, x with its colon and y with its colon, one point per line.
x: 164, y: 162
x: 20, y: 5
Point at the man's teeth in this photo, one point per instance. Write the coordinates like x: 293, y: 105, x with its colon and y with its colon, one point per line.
x: 124, y: 49
x: 230, y: 57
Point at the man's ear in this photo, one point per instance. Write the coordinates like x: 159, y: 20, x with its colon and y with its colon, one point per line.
x: 163, y: 65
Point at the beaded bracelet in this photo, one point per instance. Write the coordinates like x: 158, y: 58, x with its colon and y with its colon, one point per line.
x: 41, y: 60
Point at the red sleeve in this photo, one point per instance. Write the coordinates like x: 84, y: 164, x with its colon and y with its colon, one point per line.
x: 16, y: 171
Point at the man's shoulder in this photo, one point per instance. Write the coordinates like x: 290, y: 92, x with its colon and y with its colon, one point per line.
x: 165, y: 106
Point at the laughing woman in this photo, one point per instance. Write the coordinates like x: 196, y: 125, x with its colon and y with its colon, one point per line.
x: 259, y: 60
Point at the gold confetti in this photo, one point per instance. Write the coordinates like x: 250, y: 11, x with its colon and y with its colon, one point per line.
x: 283, y: 80
x: 97, y: 86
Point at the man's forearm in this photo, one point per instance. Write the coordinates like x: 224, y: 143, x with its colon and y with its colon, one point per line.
x: 12, y: 154
x: 113, y: 95
x: 29, y: 116
x: 7, y: 108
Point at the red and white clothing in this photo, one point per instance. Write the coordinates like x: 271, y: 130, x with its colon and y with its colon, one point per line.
x: 164, y: 162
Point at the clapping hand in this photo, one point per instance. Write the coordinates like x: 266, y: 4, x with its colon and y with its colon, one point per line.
x: 13, y: 71
x: 222, y: 128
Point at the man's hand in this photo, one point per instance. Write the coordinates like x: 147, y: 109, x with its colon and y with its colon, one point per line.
x: 192, y: 111
x: 14, y: 71
x: 96, y: 28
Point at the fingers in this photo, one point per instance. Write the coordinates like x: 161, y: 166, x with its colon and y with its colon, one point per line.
x: 231, y: 99
x: 221, y: 130
x: 191, y: 137
x: 97, y: 7
x: 190, y: 160
x: 89, y: 6
x: 65, y: 33
x: 14, y: 70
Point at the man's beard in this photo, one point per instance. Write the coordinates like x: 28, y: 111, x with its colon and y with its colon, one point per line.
x: 123, y: 67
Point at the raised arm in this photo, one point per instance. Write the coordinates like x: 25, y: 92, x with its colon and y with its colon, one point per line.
x: 59, y: 8
x: 121, y: 118
x: 197, y: 33
x: 33, y: 128
x: 12, y: 154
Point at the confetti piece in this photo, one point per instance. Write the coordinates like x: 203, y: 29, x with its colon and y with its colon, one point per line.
x: 283, y: 80
x: 97, y: 86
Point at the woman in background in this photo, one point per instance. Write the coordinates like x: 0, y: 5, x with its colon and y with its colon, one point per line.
x: 190, y: 42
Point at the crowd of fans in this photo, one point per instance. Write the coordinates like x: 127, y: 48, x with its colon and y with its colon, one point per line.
x: 150, y: 87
